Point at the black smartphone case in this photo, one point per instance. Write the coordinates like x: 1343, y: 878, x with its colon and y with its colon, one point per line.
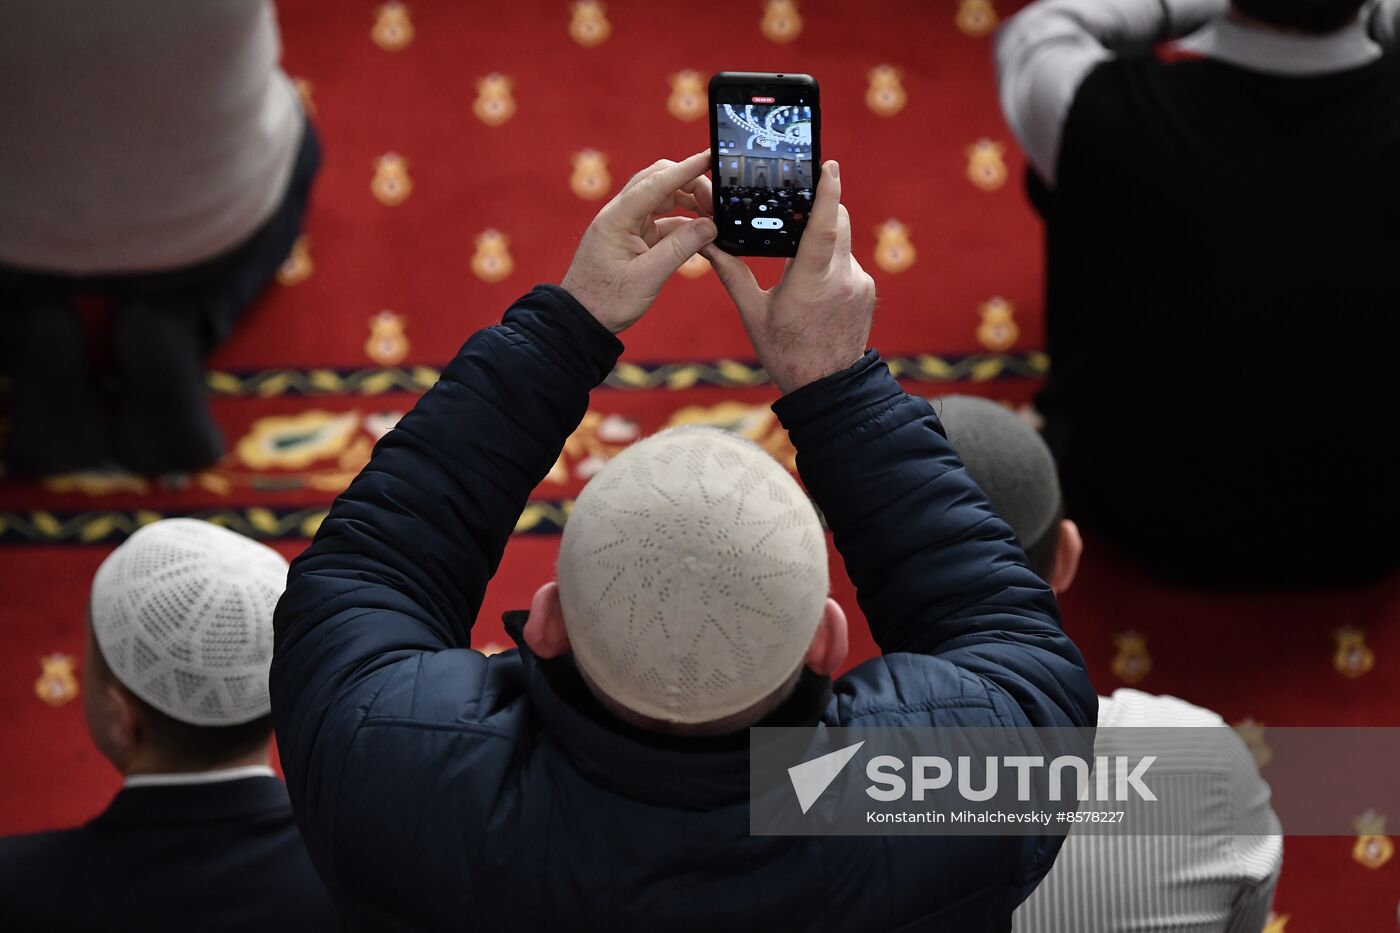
x: 753, y: 83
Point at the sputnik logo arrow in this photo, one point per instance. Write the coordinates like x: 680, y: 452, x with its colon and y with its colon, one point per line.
x: 811, y: 778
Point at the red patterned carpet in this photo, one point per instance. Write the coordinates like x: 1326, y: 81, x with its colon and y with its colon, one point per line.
x: 466, y: 148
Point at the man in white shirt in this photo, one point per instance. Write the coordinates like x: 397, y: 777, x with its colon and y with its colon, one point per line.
x: 1213, y: 871
x: 152, y: 154
x: 175, y: 688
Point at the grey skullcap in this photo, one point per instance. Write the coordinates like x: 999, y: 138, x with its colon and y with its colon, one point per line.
x: 692, y: 576
x: 182, y: 613
x: 1008, y: 459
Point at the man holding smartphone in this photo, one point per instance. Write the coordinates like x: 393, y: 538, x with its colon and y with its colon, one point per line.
x: 591, y: 778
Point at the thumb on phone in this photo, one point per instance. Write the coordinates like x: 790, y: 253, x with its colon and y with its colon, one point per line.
x: 823, y: 226
x: 737, y: 279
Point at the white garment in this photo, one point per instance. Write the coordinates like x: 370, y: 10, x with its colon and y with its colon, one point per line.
x: 198, y: 777
x: 1215, y: 875
x: 139, y: 135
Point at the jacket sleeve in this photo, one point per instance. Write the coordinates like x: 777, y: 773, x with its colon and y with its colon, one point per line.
x: 936, y: 571
x: 1044, y: 52
x: 398, y: 569
x: 971, y: 635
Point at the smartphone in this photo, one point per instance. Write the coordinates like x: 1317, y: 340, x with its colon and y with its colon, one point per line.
x: 765, y: 146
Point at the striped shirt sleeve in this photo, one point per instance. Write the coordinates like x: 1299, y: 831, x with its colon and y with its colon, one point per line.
x: 1216, y: 875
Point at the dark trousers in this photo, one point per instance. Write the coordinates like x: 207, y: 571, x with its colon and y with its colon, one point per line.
x: 163, y: 326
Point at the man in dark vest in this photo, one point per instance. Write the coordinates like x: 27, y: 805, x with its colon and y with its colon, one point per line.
x: 201, y: 836
x: 1218, y: 185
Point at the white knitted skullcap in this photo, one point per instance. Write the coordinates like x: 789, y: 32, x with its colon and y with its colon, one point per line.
x: 692, y: 576
x: 182, y: 613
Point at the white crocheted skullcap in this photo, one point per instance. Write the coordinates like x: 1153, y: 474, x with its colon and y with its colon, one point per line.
x: 182, y: 613
x: 692, y: 576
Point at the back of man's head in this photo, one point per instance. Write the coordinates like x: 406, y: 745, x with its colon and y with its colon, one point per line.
x: 181, y: 618
x: 692, y: 578
x: 1013, y: 465
x: 1307, y: 16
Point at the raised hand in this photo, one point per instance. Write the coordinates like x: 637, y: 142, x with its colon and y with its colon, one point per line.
x: 816, y: 320
x: 630, y: 249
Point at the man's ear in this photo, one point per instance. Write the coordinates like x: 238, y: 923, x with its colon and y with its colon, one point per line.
x: 1068, y: 549
x: 117, y: 732
x: 831, y: 642
x: 545, y: 633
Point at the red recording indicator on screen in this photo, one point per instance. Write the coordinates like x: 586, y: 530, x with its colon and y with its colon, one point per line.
x: 764, y: 100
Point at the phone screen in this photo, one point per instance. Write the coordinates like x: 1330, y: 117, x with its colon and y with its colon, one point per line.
x: 765, y: 143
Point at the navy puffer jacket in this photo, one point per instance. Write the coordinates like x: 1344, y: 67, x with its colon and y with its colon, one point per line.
x: 453, y: 791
